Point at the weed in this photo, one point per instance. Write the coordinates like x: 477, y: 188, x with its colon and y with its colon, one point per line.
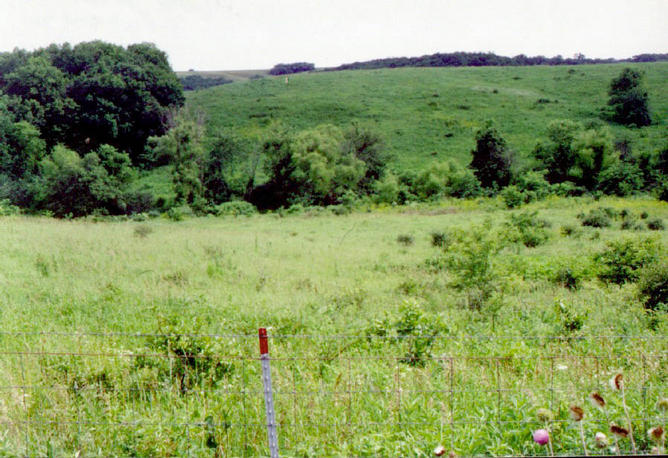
x: 655, y: 224
x: 142, y: 231
x: 439, y: 239
x: 567, y: 278
x: 405, y: 239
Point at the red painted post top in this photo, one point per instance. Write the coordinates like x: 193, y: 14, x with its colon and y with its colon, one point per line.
x: 264, y: 343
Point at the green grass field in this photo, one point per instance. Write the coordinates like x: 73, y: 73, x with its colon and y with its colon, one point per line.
x: 428, y: 114
x: 74, y: 378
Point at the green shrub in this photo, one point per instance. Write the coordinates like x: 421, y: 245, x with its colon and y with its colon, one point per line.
x: 568, y: 230
x: 179, y: 213
x: 469, y: 259
x: 598, y: 217
x: 387, y: 189
x: 655, y: 224
x: 7, y: 209
x: 439, y: 239
x: 621, y: 260
x: 527, y: 228
x: 512, y: 196
x: 568, y: 278
x: 235, y: 208
x: 405, y: 239
x: 653, y: 286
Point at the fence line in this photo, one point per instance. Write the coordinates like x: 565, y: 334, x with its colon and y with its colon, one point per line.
x: 365, y: 395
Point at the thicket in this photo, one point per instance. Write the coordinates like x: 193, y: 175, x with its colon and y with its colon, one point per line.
x: 287, y: 69
x: 466, y: 59
x: 197, y: 82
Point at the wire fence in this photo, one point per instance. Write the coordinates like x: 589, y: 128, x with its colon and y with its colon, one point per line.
x: 174, y: 394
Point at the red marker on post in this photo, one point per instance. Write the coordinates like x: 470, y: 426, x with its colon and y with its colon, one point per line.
x: 268, y: 395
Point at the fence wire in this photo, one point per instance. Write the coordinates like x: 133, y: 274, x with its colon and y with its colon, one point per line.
x: 164, y: 394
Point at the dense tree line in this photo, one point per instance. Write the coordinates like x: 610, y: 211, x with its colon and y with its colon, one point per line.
x: 287, y: 69
x: 477, y: 59
x: 74, y: 120
x: 197, y: 82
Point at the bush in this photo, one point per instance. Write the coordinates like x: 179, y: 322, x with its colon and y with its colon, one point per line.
x: 527, y: 228
x: 568, y: 278
x: 405, y: 239
x: 235, y: 208
x: 655, y: 224
x: 386, y: 189
x: 179, y: 213
x: 653, y: 286
x: 439, y: 239
x: 568, y: 230
x: 512, y: 196
x: 621, y: 260
x: 598, y: 217
x: 7, y: 209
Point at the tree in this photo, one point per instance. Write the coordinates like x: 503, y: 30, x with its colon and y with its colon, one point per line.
x: 558, y: 155
x: 368, y: 147
x: 629, y: 100
x: 183, y: 145
x: 492, y: 160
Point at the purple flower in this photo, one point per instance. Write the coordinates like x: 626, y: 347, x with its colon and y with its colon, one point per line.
x: 541, y: 436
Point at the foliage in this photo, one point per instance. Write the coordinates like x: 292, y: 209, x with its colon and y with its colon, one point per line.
x: 526, y: 228
x: 478, y: 59
x: 405, y: 239
x: 655, y: 224
x: 369, y: 147
x: 235, y: 208
x: 386, y: 190
x: 568, y: 278
x: 93, y: 93
x: 287, y: 69
x: 446, y: 178
x: 558, y: 155
x: 629, y: 100
x: 622, y: 259
x: 469, y: 258
x: 653, y: 286
x: 621, y: 179
x: 597, y: 217
x: 70, y: 185
x: 198, y: 82
x: 182, y: 144
x: 492, y: 160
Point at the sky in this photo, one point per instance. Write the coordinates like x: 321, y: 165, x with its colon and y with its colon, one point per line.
x: 257, y: 34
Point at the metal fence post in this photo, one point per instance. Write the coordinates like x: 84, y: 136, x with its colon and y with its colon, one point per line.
x: 268, y: 395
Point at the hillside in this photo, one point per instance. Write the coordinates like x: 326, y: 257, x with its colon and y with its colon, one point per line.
x: 432, y: 113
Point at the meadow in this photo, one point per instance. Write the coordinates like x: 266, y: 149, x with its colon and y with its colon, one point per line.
x: 138, y: 337
x: 427, y: 114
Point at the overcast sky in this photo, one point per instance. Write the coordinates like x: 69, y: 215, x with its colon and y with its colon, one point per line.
x: 256, y: 34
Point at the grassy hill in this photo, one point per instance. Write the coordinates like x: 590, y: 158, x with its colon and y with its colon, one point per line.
x: 432, y: 113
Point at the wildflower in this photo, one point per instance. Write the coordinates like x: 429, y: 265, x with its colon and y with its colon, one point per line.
x: 597, y: 400
x: 662, y: 404
x: 619, y: 431
x: 576, y: 413
x: 439, y: 451
x: 601, y: 439
x: 544, y: 415
x: 617, y: 382
x: 541, y: 436
x: 657, y: 434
